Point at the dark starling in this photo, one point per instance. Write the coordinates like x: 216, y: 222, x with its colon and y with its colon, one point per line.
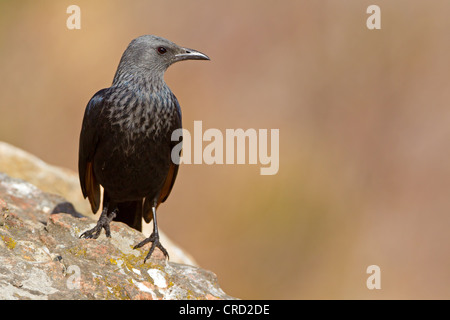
x: 125, y: 140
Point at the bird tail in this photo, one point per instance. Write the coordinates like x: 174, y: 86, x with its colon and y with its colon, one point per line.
x: 130, y: 213
x: 147, y: 210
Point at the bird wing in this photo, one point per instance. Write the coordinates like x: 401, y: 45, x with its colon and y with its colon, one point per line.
x: 168, y: 184
x: 88, y: 143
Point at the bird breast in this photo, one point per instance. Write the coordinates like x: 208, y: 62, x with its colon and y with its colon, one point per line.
x: 144, y: 114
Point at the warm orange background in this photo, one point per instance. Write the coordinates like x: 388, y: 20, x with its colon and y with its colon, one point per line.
x: 364, y: 123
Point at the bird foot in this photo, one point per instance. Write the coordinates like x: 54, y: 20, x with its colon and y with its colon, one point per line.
x: 102, y: 223
x: 154, y: 239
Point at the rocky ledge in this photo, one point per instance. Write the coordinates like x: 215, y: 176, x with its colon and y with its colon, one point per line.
x: 42, y: 256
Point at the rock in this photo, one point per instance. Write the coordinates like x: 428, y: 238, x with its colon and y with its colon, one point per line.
x: 42, y: 256
x: 20, y: 164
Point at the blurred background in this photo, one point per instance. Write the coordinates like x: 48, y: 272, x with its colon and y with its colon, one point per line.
x: 364, y: 122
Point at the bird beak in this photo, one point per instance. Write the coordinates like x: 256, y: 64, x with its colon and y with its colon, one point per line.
x: 189, y: 54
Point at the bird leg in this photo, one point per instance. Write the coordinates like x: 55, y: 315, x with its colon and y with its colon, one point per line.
x: 154, y: 239
x: 102, y: 223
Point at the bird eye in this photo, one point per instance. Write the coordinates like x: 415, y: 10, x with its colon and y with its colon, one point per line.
x: 162, y: 50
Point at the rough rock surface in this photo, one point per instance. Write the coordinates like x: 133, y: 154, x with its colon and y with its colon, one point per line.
x: 42, y: 257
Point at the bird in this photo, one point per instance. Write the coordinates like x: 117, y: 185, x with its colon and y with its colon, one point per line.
x: 125, y: 140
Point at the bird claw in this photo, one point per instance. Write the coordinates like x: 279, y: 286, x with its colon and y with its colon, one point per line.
x: 94, y: 233
x: 154, y: 239
x: 102, y: 223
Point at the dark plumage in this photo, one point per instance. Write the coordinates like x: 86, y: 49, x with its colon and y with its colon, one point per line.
x: 125, y: 140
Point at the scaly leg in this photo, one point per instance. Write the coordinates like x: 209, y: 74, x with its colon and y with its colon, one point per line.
x: 154, y: 239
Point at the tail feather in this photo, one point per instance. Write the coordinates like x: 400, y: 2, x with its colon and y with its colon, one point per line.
x: 130, y: 213
x: 147, y: 210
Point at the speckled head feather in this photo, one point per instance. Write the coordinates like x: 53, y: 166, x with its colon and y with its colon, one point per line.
x: 150, y: 56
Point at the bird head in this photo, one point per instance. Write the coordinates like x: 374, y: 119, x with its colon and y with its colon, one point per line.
x: 154, y: 54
